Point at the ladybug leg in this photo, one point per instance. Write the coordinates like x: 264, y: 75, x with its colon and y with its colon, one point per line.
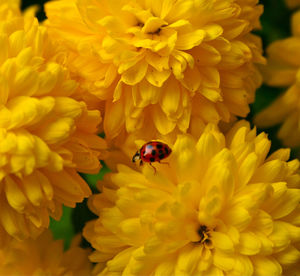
x: 164, y: 163
x: 153, y: 167
x: 141, y: 162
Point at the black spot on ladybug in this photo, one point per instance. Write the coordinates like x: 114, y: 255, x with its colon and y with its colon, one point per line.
x: 153, y: 152
x: 161, y: 156
x: 166, y: 150
x: 152, y: 159
x: 161, y: 151
x: 159, y: 146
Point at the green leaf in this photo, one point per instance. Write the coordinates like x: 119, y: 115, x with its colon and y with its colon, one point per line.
x: 63, y: 229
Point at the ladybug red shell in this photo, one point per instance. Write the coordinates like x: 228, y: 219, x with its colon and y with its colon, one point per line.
x: 153, y: 151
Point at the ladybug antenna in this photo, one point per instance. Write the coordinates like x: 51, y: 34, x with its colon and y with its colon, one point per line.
x: 136, y: 157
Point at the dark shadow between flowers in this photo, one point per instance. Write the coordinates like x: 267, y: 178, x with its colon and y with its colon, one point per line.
x: 40, y: 3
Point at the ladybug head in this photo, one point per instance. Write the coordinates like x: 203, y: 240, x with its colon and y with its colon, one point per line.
x: 136, y: 157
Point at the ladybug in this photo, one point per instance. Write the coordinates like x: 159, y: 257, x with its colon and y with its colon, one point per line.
x: 153, y: 151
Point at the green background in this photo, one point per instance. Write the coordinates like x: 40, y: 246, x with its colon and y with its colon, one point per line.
x: 276, y: 25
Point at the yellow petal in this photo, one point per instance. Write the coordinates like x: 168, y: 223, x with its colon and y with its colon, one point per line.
x: 222, y: 242
x: 237, y: 56
x: 157, y: 78
x: 249, y: 244
x: 268, y: 172
x: 188, y: 260
x: 266, y: 244
x: 235, y: 28
x: 281, y: 154
x: 149, y: 93
x: 4, y: 44
x: 135, y: 74
x: 266, y: 266
x: 159, y: 62
x: 112, y: 23
x: 89, y: 121
x: 206, y: 260
x: 68, y: 107
x: 280, y: 236
x: 163, y: 124
x: 289, y: 131
x: 9, y: 220
x: 206, y: 55
x: 205, y: 109
x: 32, y: 188
x: 295, y: 21
x: 129, y: 59
x: 4, y: 93
x: 15, y: 195
x: 153, y: 24
x: 165, y: 268
x: 223, y: 261
x: 210, y: 77
x: 238, y: 217
x: 188, y: 41
x: 278, y: 49
x: 278, y: 75
x: 114, y: 119
x: 192, y: 79
x: 289, y: 256
x: 286, y: 203
x: 16, y: 42
x: 179, y: 23
x: 278, y: 110
x: 242, y: 266
x: 141, y: 14
x: 47, y: 82
x: 132, y: 230
x: 212, y: 31
x: 57, y: 131
x: 166, y: 6
x: 119, y: 261
x: 208, y: 146
x: 26, y: 80
x: 212, y: 94
x: 68, y: 194
x: 247, y: 169
x: 179, y: 10
x: 170, y: 98
x: 26, y: 111
x: 263, y: 222
x: 183, y: 150
x: 237, y: 100
x: 184, y: 121
x: 293, y: 230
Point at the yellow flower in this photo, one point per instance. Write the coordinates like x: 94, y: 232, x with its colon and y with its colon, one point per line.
x: 45, y: 134
x: 44, y: 256
x: 283, y: 70
x: 219, y: 208
x: 162, y: 64
x: 292, y: 3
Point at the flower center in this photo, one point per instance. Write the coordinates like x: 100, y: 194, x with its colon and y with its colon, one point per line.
x: 152, y: 25
x: 204, y: 234
x: 157, y: 31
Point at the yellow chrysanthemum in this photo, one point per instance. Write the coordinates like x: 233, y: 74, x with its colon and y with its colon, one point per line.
x: 44, y: 256
x: 283, y: 70
x: 219, y: 208
x: 45, y: 135
x: 292, y: 3
x: 162, y: 64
